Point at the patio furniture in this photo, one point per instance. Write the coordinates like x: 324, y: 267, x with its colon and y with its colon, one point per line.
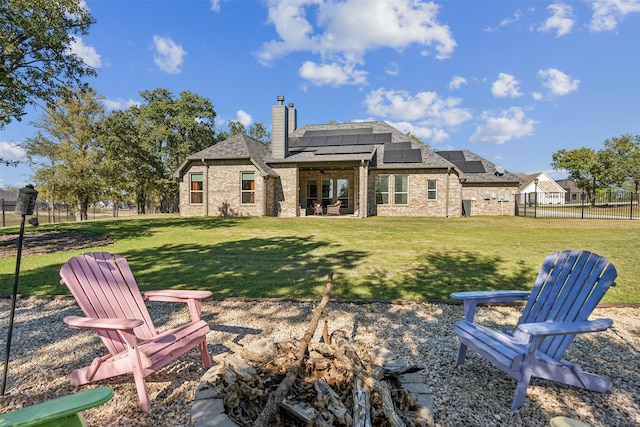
x: 334, y: 209
x: 317, y: 207
x: 105, y: 289
x: 568, y: 287
x: 63, y: 411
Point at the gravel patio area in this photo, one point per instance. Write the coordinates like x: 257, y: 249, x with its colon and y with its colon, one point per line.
x: 44, y: 350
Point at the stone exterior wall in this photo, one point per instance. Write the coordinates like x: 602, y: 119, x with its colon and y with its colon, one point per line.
x: 222, y: 187
x: 447, y: 202
x: 488, y: 199
x: 284, y: 195
x: 286, y: 200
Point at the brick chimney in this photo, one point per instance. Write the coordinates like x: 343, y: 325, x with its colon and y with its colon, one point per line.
x: 293, y: 118
x: 280, y: 126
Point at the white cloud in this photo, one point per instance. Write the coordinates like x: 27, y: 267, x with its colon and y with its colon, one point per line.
x: 508, y: 125
x: 332, y: 74
x: 561, y: 20
x: 340, y: 33
x: 425, y: 133
x: 457, y: 82
x: 557, y: 82
x: 87, y: 53
x: 393, y: 69
x: 11, y: 151
x: 169, y: 55
x: 215, y: 5
x: 607, y: 14
x: 426, y: 107
x: 244, y: 118
x: 506, y: 22
x: 505, y: 86
x: 119, y: 104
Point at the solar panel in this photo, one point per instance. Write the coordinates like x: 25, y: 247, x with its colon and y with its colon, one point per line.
x: 404, y: 145
x: 393, y: 156
x: 382, y: 137
x: 366, y: 139
x: 453, y: 156
x: 333, y: 132
x: 474, y: 166
x: 325, y: 150
x: 344, y: 149
x: 412, y: 155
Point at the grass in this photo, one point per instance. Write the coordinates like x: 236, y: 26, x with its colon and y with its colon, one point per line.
x: 373, y: 258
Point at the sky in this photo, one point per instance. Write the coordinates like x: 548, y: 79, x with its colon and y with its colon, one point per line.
x: 512, y: 81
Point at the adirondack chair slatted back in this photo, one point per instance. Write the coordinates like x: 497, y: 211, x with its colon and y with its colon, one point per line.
x: 568, y: 288
x: 104, y: 287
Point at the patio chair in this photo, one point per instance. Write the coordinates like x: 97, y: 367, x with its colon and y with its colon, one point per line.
x: 334, y: 209
x: 64, y: 411
x: 568, y: 287
x: 317, y: 207
x: 105, y: 289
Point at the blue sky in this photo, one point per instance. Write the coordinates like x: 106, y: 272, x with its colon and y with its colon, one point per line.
x: 513, y: 81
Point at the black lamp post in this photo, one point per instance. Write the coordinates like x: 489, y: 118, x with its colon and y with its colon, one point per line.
x: 24, y: 206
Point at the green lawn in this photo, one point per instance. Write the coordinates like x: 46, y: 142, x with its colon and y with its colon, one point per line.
x: 373, y: 258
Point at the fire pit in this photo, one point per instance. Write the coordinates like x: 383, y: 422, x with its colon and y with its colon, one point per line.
x: 333, y: 382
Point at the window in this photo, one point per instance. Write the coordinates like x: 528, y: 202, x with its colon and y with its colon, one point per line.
x: 327, y: 192
x: 432, y: 189
x: 197, y: 187
x: 312, y: 192
x: 343, y: 192
x: 401, y: 190
x: 382, y: 190
x: 248, y: 187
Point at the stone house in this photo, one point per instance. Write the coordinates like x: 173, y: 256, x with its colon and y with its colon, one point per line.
x: 370, y: 167
x: 542, y: 189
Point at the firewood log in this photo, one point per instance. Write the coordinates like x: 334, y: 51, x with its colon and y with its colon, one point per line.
x: 269, y: 411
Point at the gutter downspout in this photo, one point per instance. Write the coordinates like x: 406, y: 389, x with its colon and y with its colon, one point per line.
x: 446, y: 209
x: 206, y: 187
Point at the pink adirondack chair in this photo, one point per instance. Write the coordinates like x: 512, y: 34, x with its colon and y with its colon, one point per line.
x: 104, y: 287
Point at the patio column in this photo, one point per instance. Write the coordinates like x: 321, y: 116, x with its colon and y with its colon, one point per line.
x: 363, y: 206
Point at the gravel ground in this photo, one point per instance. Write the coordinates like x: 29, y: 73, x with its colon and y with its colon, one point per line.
x: 44, y: 351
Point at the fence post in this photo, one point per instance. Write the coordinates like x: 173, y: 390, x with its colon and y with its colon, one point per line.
x: 3, y: 222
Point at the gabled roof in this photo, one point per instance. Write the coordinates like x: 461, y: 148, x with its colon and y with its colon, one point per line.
x: 8, y: 196
x: 545, y: 184
x: 238, y: 147
x: 478, y: 169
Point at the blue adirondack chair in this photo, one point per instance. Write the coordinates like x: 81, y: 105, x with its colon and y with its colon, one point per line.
x: 568, y: 287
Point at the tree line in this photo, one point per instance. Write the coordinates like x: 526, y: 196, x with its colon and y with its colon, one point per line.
x: 617, y: 164
x: 82, y: 154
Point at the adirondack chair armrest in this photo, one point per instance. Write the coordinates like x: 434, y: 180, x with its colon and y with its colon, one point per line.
x: 472, y: 299
x: 174, y: 295
x: 483, y: 297
x: 115, y: 324
x: 565, y: 328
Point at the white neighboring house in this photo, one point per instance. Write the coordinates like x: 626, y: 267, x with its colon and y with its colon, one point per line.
x: 543, y: 189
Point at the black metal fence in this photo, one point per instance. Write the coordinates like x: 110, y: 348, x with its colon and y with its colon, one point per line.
x: 45, y: 213
x: 609, y: 205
